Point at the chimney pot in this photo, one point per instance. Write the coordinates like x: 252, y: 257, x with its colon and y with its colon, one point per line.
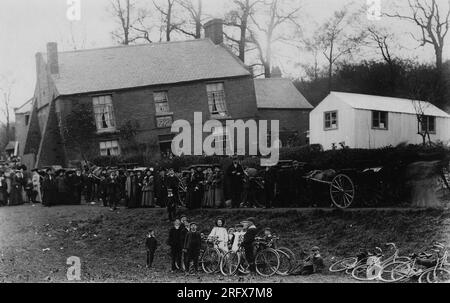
x: 214, y: 30
x: 52, y: 57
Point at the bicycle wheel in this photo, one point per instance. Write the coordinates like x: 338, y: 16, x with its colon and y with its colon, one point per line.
x: 229, y: 263
x: 362, y: 273
x: 439, y: 275
x: 386, y: 273
x: 344, y: 264
x: 402, y: 272
x: 267, y: 262
x: 211, y: 260
x: 290, y: 253
x: 423, y: 278
x: 285, y: 263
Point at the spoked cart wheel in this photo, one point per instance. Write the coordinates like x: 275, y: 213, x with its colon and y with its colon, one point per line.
x: 342, y: 191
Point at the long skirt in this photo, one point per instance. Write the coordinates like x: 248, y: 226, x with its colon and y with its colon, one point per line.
x: 218, y: 196
x: 206, y: 200
x: 147, y: 198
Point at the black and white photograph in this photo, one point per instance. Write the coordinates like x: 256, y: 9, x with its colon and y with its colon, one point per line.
x: 214, y: 142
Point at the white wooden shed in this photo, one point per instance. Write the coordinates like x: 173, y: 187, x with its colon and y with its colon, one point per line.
x: 367, y: 121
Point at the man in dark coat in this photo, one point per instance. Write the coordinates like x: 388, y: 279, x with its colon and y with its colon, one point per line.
x: 236, y: 175
x: 89, y: 182
x: 150, y: 244
x: 192, y: 246
x: 248, y: 241
x: 3, y: 189
x: 174, y: 241
x: 172, y: 198
x: 161, y: 189
x: 112, y: 190
x: 49, y: 189
x: 184, y: 230
x: 78, y: 186
x: 269, y: 185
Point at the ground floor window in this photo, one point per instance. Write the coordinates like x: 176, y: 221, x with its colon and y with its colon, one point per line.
x: 428, y: 124
x: 165, y: 145
x: 109, y: 148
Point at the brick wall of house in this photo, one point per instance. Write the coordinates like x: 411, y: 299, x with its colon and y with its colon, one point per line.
x: 184, y: 99
x: 289, y: 120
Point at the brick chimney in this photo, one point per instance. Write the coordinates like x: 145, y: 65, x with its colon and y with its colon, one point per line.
x: 214, y: 30
x: 52, y: 57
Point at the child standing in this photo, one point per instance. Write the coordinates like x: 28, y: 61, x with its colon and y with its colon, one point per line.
x: 231, y: 237
x: 238, y: 236
x: 192, y: 246
x: 150, y: 244
x: 176, y: 245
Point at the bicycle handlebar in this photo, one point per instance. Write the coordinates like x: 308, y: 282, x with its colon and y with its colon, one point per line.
x: 392, y: 244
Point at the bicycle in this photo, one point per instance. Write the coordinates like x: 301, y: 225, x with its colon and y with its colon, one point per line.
x: 211, y: 256
x: 347, y: 264
x: 234, y: 261
x: 438, y: 273
x: 267, y: 259
x: 375, y: 268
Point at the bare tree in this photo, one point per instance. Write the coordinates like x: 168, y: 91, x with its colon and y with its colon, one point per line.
x: 432, y: 22
x: 123, y: 11
x: 312, y: 46
x: 334, y: 40
x: 422, y: 120
x: 195, y: 10
x: 5, y: 91
x: 275, y: 16
x: 239, y: 18
x: 169, y: 24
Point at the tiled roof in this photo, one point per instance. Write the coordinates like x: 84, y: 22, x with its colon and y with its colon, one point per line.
x: 144, y: 65
x: 389, y: 104
x: 279, y: 93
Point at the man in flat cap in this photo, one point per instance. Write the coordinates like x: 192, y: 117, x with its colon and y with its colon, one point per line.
x: 249, y: 238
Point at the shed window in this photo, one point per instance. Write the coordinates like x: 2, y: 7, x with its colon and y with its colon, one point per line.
x: 104, y: 113
x: 109, y: 148
x: 331, y: 120
x: 216, y: 99
x: 379, y: 119
x: 428, y: 124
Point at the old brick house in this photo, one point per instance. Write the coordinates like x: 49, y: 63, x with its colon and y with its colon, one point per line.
x: 147, y: 86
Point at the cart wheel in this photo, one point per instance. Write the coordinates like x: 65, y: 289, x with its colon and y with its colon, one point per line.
x: 342, y: 191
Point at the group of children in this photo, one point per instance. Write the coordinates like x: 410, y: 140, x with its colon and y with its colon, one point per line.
x: 185, y: 242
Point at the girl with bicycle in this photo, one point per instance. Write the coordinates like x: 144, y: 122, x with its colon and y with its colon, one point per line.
x: 220, y: 233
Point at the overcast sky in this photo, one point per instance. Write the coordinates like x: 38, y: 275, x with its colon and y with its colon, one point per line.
x: 27, y: 25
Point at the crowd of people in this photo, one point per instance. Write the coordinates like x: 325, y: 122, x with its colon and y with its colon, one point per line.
x: 200, y: 186
x: 186, y: 242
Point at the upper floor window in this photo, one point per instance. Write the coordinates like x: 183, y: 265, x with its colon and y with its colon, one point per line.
x: 27, y: 120
x: 331, y: 120
x: 109, y: 148
x: 428, y: 124
x: 104, y: 113
x: 379, y: 119
x: 163, y: 114
x: 216, y: 99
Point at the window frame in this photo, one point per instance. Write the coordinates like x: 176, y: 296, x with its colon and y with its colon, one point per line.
x: 224, y: 104
x: 109, y: 148
x: 325, y: 119
x: 379, y: 112
x: 111, y: 113
x: 162, y: 115
x: 427, y: 117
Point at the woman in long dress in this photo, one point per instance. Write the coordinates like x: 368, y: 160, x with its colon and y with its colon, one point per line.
x: 221, y: 234
x: 148, y: 190
x: 218, y: 188
x: 206, y: 202
x: 16, y: 189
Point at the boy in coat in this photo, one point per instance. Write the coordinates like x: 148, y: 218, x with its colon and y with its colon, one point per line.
x: 176, y: 247
x: 150, y: 244
x: 192, y: 246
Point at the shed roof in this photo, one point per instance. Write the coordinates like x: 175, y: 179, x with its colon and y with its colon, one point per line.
x: 24, y: 108
x: 279, y: 93
x: 389, y: 104
x: 131, y: 66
